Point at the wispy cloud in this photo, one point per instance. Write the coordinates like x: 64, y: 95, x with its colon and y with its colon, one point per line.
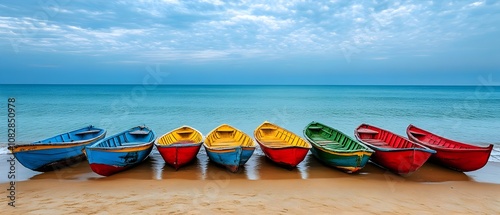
x: 165, y: 30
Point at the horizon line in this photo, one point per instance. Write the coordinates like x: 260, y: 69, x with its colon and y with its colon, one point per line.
x: 396, y: 85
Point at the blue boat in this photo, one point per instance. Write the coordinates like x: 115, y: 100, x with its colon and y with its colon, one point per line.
x: 59, y: 151
x: 120, y: 151
x: 229, y: 147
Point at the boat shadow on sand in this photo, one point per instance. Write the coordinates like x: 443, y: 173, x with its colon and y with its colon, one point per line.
x: 429, y: 172
x: 78, y: 171
x: 259, y: 167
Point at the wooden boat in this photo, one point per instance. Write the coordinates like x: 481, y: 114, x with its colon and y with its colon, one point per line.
x: 179, y: 146
x: 392, y: 151
x: 120, y: 151
x: 229, y: 147
x: 335, y: 148
x: 280, y: 145
x: 58, y: 151
x: 449, y: 153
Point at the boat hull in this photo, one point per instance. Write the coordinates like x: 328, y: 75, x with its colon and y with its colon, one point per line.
x: 180, y: 155
x: 393, y: 152
x: 463, y: 161
x: 50, y: 154
x: 231, y: 158
x: 349, y: 162
x: 401, y: 161
x: 280, y: 145
x: 288, y: 157
x: 109, y: 162
x: 449, y: 153
x: 51, y: 159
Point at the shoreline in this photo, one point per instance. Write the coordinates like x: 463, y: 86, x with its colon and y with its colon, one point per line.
x: 229, y: 196
x: 257, y: 168
x: 203, y: 187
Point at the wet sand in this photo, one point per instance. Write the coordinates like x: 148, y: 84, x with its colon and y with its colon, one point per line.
x: 205, y: 188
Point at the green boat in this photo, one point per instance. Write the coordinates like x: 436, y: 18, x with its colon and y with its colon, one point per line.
x: 335, y: 148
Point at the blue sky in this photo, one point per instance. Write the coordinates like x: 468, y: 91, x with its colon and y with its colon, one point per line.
x: 250, y: 42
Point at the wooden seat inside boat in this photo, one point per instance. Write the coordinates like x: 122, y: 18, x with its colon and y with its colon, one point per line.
x: 224, y: 142
x: 314, y: 127
x: 184, y: 132
x: 276, y: 143
x: 88, y: 132
x: 327, y: 142
x: 139, y: 132
x: 180, y: 142
x: 417, y: 133
x: 280, y: 139
x: 367, y: 131
x: 377, y: 142
x: 131, y: 143
x: 225, y: 130
x: 267, y: 128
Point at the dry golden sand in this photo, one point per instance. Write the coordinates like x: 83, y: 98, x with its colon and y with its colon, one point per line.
x: 324, y: 196
x: 431, y: 190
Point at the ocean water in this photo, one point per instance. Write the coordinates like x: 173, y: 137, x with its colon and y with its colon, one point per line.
x: 464, y: 113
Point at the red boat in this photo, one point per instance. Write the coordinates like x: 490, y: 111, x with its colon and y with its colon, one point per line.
x: 452, y: 154
x: 393, y: 152
x: 180, y: 146
x: 280, y: 145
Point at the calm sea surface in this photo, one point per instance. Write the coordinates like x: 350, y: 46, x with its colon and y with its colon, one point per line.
x: 470, y: 114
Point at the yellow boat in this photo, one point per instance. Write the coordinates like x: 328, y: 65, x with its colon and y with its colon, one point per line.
x: 228, y: 146
x: 180, y: 146
x: 280, y: 145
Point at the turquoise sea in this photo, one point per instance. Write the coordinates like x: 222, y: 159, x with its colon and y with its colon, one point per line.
x: 465, y: 113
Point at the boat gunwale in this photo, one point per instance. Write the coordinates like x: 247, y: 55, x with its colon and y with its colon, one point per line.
x: 56, y: 145
x: 281, y: 147
x: 314, y: 144
x: 475, y: 148
x: 309, y: 145
x: 127, y: 147
x: 173, y: 145
x: 254, y: 145
x: 120, y: 148
x: 178, y: 145
x: 391, y: 149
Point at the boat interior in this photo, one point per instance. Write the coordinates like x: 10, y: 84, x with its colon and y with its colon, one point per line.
x: 331, y: 139
x: 273, y: 136
x: 438, y: 141
x: 81, y: 134
x: 383, y: 139
x: 182, y: 135
x: 135, y: 136
x: 227, y: 136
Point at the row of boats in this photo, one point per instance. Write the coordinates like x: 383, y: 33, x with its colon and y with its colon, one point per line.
x: 232, y: 148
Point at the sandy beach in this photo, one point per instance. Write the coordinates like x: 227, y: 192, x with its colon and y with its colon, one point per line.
x: 204, y: 188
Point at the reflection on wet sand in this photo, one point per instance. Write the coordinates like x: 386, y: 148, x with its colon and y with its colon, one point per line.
x: 316, y: 169
x: 431, y: 172
x: 193, y: 171
x: 79, y: 171
x: 259, y: 167
x: 265, y: 169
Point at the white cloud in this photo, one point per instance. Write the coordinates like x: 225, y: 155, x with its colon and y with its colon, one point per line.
x: 269, y: 21
x: 387, y: 16
x: 162, y: 30
x: 476, y: 4
x: 214, y: 2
